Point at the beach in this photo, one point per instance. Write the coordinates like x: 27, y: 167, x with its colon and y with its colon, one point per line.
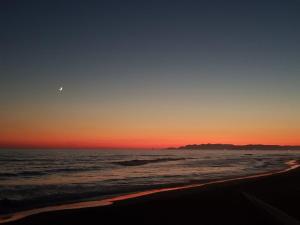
x: 237, y: 201
x: 149, y: 112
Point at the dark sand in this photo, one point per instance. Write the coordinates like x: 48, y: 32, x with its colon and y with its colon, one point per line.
x: 222, y: 203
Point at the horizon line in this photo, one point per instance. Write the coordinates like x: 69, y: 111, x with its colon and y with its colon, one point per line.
x: 131, y: 147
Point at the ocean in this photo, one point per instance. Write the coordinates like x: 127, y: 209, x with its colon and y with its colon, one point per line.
x: 37, y: 178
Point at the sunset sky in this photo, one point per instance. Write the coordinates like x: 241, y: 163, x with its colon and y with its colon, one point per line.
x: 149, y: 73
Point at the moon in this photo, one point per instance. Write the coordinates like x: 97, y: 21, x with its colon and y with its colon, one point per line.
x: 60, y: 89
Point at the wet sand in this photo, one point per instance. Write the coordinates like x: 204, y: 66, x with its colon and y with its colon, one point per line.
x: 236, y: 201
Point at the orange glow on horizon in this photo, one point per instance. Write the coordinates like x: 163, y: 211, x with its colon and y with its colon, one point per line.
x: 145, y: 129
x: 133, y: 143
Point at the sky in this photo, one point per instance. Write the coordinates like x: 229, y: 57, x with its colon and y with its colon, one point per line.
x: 149, y: 74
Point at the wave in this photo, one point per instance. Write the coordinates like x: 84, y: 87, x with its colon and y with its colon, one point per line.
x: 48, y: 171
x: 139, y: 162
x: 25, y: 173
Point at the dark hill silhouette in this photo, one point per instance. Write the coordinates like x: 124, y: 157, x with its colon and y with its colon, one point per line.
x: 238, y: 147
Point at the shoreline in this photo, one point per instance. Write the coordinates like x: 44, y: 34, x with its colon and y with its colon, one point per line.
x: 292, y: 164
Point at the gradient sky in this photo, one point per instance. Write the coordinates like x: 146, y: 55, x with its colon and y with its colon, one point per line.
x: 149, y: 73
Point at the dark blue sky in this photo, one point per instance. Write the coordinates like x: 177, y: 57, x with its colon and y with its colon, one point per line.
x: 134, y: 56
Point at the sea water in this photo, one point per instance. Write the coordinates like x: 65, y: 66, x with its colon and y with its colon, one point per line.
x: 36, y: 178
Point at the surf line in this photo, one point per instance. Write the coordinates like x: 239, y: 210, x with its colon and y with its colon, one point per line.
x: 293, y: 164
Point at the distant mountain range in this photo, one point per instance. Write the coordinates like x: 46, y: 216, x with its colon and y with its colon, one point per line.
x: 238, y: 147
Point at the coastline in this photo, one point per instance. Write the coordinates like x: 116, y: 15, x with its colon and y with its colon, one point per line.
x: 122, y: 199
